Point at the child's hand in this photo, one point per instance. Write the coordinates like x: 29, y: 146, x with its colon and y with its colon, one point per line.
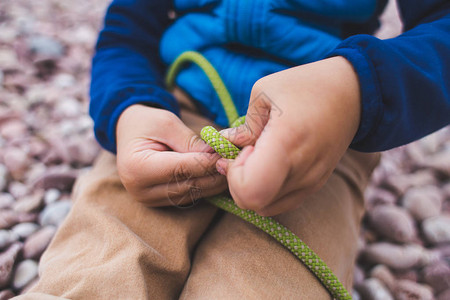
x: 298, y: 126
x: 161, y: 161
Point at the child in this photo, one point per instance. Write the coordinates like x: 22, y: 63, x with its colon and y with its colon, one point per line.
x: 368, y: 94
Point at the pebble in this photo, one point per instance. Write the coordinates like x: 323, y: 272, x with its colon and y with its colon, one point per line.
x: 383, y: 274
x: 407, y: 290
x: 17, y: 189
x: 394, y: 256
x: 61, y: 180
x: 24, y: 230
x: 67, y: 108
x: 6, y: 295
x: 13, y: 128
x: 7, y: 260
x: 3, y: 174
x: 8, y: 59
x: 445, y: 295
x: 9, y: 218
x: 439, y: 162
x: 437, y: 275
x: 358, y: 276
x: 55, y: 213
x: 392, y: 222
x: 355, y: 295
x: 64, y: 80
x: 6, y: 200
x: 26, y: 271
x: 373, y: 289
x: 377, y: 196
x: 36, y: 243
x: 437, y: 229
x: 401, y: 183
x: 7, y: 237
x: 51, y: 195
x: 45, y: 46
x: 29, y: 203
x: 423, y: 202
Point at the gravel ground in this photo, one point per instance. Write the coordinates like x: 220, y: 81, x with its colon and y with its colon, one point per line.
x: 46, y: 140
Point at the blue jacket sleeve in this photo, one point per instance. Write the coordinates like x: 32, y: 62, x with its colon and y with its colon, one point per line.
x: 126, y: 68
x: 404, y: 81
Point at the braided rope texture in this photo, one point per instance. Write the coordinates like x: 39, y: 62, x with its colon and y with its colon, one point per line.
x: 279, y: 232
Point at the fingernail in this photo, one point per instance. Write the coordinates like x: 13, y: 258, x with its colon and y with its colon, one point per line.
x: 221, y: 166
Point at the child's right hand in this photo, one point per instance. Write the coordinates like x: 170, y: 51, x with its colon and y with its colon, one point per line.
x: 162, y: 162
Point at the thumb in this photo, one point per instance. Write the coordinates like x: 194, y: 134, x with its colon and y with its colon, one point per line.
x: 258, y: 114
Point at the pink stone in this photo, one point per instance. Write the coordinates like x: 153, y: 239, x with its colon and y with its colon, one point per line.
x: 7, y: 260
x: 392, y: 222
x: 36, y: 243
x: 407, y: 290
x: 437, y: 276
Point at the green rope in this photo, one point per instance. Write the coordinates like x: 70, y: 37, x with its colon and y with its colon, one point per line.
x: 211, y: 73
x: 227, y: 150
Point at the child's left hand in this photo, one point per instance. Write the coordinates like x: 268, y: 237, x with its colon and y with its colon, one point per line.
x: 299, y: 124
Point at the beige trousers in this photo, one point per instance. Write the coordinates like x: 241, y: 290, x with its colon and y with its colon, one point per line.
x: 111, y: 247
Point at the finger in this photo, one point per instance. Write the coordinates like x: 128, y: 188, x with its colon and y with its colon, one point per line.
x: 192, y: 4
x: 194, y: 31
x: 162, y: 167
x: 172, y: 132
x: 256, y: 178
x: 183, y: 192
x: 194, y: 81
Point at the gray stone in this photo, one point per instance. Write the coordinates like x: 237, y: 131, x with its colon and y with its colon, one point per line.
x: 45, y: 46
x: 24, y: 230
x: 51, y: 195
x: 7, y: 237
x: 55, y: 213
x: 25, y: 272
x: 437, y: 229
x: 3, y: 177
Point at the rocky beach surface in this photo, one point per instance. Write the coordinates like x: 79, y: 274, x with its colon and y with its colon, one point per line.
x: 46, y: 141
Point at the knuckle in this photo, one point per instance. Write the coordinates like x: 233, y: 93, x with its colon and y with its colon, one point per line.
x: 193, y: 141
x: 127, y: 175
x: 167, y: 119
x: 182, y: 172
x: 250, y: 199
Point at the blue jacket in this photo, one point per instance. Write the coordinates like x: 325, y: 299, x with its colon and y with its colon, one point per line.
x: 405, y: 81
